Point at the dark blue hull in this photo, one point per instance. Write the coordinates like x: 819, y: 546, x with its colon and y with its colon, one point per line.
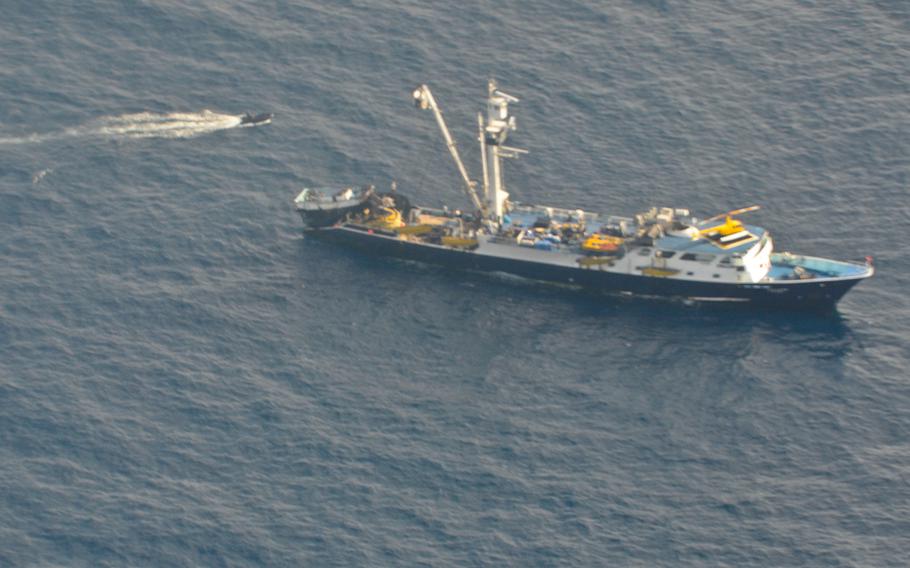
x: 818, y: 294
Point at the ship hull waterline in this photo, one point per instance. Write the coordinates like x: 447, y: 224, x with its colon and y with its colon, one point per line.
x: 814, y: 294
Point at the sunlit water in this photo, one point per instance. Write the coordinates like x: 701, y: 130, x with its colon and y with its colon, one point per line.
x: 185, y: 379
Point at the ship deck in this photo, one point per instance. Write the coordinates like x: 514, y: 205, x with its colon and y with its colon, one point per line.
x: 787, y: 266
x: 525, y: 216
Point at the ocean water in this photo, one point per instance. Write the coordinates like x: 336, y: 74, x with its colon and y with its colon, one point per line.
x: 188, y: 380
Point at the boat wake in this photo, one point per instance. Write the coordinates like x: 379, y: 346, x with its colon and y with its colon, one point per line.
x: 171, y: 125
x: 138, y: 125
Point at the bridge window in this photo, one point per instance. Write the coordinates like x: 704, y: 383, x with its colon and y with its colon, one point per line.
x: 698, y: 257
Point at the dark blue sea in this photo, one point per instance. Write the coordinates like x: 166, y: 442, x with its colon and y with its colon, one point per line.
x: 186, y: 379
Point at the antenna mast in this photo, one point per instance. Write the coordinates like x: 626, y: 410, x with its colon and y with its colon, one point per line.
x: 498, y: 125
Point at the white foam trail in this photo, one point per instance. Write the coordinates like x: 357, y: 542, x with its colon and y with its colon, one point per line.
x: 139, y: 125
x: 36, y: 179
x: 33, y: 138
x: 171, y: 125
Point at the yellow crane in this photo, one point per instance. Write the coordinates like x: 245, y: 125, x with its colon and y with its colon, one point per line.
x: 730, y: 225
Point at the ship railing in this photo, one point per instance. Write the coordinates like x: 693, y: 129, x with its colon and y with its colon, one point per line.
x: 556, y: 212
x: 502, y: 240
x: 822, y: 266
x: 514, y: 241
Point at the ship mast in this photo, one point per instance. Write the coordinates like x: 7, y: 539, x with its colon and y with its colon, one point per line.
x: 493, y: 135
x: 423, y: 98
x: 483, y: 158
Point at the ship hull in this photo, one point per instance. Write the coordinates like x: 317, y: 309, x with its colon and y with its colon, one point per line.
x: 327, y: 216
x: 815, y: 294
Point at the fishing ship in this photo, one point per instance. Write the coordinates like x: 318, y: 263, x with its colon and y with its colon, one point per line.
x: 664, y: 251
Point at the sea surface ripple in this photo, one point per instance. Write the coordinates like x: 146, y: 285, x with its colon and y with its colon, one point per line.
x: 187, y: 380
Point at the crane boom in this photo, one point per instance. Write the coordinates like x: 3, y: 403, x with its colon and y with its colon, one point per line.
x: 423, y: 98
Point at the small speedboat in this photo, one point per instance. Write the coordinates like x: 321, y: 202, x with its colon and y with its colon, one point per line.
x: 249, y: 119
